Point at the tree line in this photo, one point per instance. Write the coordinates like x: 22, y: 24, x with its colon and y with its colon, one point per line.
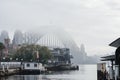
x: 30, y: 52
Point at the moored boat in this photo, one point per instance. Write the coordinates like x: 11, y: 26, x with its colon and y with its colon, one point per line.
x: 32, y: 68
x: 62, y: 67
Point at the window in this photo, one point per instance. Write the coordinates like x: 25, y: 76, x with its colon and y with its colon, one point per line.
x: 35, y: 65
x: 28, y: 65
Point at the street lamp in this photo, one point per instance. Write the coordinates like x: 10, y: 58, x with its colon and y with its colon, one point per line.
x: 10, y: 59
x: 3, y: 58
x: 21, y: 59
x: 31, y: 60
x: 16, y: 59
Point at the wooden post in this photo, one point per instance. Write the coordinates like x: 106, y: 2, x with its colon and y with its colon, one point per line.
x: 3, y: 68
x: 116, y: 72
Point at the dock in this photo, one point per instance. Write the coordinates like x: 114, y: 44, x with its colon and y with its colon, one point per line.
x: 7, y: 71
x: 32, y: 68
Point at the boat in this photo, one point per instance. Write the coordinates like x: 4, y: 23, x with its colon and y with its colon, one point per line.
x: 62, y: 67
x: 32, y: 68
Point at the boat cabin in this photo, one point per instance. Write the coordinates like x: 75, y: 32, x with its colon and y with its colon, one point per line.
x: 32, y: 66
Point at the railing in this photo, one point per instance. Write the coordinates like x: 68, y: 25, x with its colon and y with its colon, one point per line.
x: 10, y: 65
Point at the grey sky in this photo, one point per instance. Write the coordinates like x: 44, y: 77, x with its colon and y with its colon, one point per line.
x: 94, y: 23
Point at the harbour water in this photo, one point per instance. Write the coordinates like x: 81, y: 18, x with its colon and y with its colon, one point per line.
x: 86, y: 72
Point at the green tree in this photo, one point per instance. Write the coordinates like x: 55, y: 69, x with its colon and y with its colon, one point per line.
x: 29, y: 52
x: 44, y: 54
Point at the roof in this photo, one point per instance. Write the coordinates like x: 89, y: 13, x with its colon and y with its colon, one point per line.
x: 108, y: 58
x: 115, y: 43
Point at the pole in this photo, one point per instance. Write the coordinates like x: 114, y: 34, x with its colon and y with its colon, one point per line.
x: 116, y: 72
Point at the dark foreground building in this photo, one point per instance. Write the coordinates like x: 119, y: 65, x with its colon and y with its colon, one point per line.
x: 115, y: 60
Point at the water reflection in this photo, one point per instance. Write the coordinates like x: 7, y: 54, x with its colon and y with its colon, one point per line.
x: 86, y: 72
x: 82, y: 68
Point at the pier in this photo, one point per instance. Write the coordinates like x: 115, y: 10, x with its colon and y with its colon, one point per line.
x: 7, y: 70
x: 26, y: 68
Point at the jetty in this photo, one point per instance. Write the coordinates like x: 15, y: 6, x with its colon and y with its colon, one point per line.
x: 21, y: 68
x: 32, y: 68
x: 7, y: 70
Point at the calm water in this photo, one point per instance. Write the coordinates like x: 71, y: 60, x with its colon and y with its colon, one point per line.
x: 86, y: 72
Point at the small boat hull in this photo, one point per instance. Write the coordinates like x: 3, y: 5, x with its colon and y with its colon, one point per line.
x: 31, y: 72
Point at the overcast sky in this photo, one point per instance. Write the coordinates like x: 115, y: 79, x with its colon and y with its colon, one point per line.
x: 94, y: 23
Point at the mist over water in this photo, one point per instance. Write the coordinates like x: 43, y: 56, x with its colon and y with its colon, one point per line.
x: 86, y: 72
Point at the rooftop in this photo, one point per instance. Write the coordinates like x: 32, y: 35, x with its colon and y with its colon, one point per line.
x: 115, y: 43
x: 108, y: 58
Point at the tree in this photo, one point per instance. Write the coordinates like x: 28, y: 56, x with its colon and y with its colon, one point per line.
x: 44, y: 54
x: 29, y: 52
x: 1, y: 50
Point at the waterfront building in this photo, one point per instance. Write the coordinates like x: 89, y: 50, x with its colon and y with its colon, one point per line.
x: 61, y: 55
x: 115, y: 60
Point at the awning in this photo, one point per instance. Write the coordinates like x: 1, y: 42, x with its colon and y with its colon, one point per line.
x: 108, y: 58
x: 115, y: 43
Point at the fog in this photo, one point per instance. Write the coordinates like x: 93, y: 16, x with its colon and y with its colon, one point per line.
x: 94, y: 23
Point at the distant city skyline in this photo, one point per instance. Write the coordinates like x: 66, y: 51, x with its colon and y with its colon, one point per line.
x: 92, y: 23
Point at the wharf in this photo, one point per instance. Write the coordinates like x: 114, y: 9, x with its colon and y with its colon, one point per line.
x: 8, y: 72
x: 33, y: 68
